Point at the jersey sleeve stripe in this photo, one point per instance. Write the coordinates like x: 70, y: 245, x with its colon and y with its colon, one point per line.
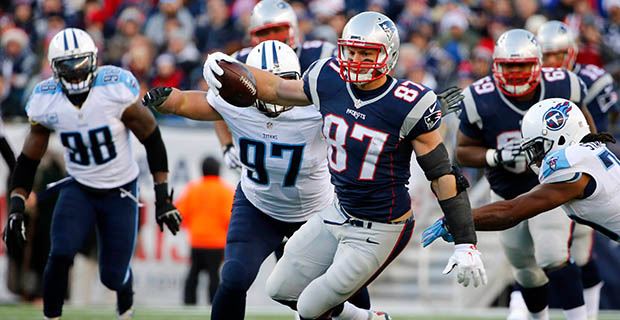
x: 470, y: 108
x: 598, y: 86
x: 575, y: 90
x: 313, y: 76
x: 417, y: 112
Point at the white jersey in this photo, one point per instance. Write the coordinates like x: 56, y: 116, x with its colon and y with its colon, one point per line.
x: 284, y: 159
x: 97, y: 147
x: 600, y: 208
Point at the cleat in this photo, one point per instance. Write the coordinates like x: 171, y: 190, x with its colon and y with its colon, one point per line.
x: 127, y: 315
x: 378, y: 315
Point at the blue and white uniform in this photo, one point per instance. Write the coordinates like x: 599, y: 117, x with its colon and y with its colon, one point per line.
x: 600, y: 206
x: 369, y: 136
x: 494, y: 119
x: 98, y: 156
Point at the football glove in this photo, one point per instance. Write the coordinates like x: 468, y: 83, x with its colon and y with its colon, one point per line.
x: 436, y: 230
x: 469, y: 267
x: 231, y: 157
x: 165, y: 212
x: 14, y: 235
x: 449, y: 100
x: 210, y: 69
x: 510, y: 156
x: 155, y: 97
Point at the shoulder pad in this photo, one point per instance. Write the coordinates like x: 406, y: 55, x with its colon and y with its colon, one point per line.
x: 115, y: 76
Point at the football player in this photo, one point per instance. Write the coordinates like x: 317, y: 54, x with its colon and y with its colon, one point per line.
x: 372, y: 123
x: 575, y: 169
x: 5, y: 149
x: 489, y: 136
x: 284, y: 178
x: 272, y: 20
x: 92, y: 109
x: 559, y: 47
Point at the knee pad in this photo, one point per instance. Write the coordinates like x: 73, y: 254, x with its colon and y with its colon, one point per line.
x: 530, y: 277
x: 112, y: 279
x: 235, y: 276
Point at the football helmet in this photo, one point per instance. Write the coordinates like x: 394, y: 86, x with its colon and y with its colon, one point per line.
x: 72, y: 54
x: 368, y: 30
x: 268, y: 14
x: 517, y: 46
x: 555, y: 36
x: 279, y: 59
x: 550, y: 125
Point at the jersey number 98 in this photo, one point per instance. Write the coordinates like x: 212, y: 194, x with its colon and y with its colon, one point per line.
x: 101, y: 146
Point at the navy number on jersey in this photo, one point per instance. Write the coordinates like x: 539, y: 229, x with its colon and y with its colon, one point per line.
x: 252, y: 154
x: 336, y: 131
x: 608, y: 159
x: 101, y: 146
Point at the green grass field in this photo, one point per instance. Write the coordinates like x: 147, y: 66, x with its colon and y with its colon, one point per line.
x: 27, y: 312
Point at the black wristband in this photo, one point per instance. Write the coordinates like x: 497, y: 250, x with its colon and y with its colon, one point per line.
x: 156, y: 155
x: 17, y: 204
x: 23, y: 175
x: 161, y: 192
x: 457, y: 212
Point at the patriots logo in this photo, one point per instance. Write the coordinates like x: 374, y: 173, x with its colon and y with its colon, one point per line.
x: 432, y: 119
x: 389, y: 28
x: 555, y: 118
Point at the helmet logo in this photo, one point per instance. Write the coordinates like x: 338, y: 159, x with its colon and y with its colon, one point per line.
x: 555, y: 118
x: 389, y: 29
x: 552, y: 163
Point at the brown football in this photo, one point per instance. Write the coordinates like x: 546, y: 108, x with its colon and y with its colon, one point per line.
x: 238, y: 84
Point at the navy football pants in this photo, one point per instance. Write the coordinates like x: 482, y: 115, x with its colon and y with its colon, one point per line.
x: 116, y: 219
x: 252, y: 237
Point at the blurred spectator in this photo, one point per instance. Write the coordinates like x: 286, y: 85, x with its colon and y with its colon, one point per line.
x: 169, y: 10
x: 558, y: 10
x: 590, y: 41
x: 168, y: 75
x: 24, y: 18
x: 129, y: 24
x: 534, y: 22
x: 139, y: 58
x: 455, y: 36
x: 479, y: 66
x: 411, y: 66
x: 17, y: 66
x: 216, y: 31
x: 524, y: 10
x: 436, y: 60
x: 416, y: 12
x: 206, y: 206
x: 184, y: 50
x: 610, y: 44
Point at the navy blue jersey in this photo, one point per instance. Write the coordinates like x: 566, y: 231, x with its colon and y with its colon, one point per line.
x: 601, y: 97
x: 309, y: 52
x: 369, y: 137
x: 494, y: 119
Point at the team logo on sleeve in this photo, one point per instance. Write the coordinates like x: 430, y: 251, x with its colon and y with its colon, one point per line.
x: 556, y: 116
x: 433, y: 117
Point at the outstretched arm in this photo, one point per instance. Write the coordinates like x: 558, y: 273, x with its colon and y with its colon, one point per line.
x: 190, y: 104
x: 502, y: 215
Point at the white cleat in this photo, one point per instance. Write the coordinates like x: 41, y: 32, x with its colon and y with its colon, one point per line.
x: 54, y: 318
x: 127, y: 315
x: 378, y: 315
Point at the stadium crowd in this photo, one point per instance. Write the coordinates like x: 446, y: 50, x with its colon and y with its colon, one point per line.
x: 164, y: 43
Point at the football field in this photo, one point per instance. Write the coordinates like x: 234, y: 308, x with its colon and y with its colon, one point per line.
x: 27, y: 312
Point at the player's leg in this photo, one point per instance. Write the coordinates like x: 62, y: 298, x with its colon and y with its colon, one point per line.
x: 72, y: 221
x: 363, y: 253
x: 213, y: 260
x: 531, y: 279
x: 252, y: 237
x: 551, y: 233
x: 117, y: 226
x: 191, y: 281
x: 581, y: 252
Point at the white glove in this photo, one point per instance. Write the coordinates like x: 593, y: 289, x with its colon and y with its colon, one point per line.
x: 231, y: 157
x: 210, y: 69
x: 510, y: 156
x: 466, y: 259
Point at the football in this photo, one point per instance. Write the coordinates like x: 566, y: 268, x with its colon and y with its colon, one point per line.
x: 238, y: 84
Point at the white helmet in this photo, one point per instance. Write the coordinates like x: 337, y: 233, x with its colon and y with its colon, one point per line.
x: 517, y: 46
x: 268, y: 14
x: 550, y: 125
x: 279, y: 59
x: 555, y: 36
x: 72, y: 54
x: 369, y: 30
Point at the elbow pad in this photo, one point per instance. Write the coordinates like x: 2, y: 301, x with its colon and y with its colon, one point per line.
x: 436, y: 163
x: 156, y: 155
x: 24, y: 172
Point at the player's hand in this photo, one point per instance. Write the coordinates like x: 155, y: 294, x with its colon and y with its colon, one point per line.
x: 165, y: 212
x: 512, y: 157
x: 436, y: 230
x: 449, y: 100
x: 231, y: 157
x: 469, y: 267
x: 15, y: 230
x: 155, y: 97
x: 210, y: 69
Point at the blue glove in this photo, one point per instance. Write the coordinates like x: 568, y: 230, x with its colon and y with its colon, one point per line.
x: 436, y: 230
